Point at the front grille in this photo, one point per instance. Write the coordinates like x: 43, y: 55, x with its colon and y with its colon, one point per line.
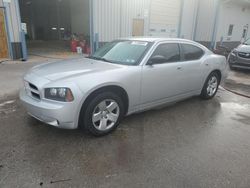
x: 244, y: 55
x: 33, y: 91
x: 35, y: 95
x: 32, y: 86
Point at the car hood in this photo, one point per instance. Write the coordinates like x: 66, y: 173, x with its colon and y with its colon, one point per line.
x: 71, y: 68
x: 243, y: 48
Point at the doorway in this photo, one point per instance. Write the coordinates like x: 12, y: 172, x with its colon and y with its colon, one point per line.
x: 3, y: 36
x: 52, y: 25
x: 138, y: 27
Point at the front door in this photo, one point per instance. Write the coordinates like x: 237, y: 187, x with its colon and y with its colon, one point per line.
x: 162, y: 80
x: 3, y: 37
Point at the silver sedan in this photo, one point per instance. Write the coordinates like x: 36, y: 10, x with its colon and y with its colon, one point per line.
x: 123, y: 77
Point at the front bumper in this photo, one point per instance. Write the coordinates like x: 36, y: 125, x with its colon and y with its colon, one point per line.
x: 238, y: 62
x: 61, y: 115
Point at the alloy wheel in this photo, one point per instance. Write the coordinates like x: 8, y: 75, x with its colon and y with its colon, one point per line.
x: 105, y: 115
x: 212, y: 86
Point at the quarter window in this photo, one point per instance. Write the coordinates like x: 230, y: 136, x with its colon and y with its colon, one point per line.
x: 171, y: 52
x: 191, y: 52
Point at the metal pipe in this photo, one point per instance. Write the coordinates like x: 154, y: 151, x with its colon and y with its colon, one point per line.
x: 180, y: 18
x: 91, y: 25
x: 215, y: 26
x: 22, y: 34
x: 196, y: 20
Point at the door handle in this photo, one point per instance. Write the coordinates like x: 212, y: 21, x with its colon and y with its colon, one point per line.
x: 178, y: 68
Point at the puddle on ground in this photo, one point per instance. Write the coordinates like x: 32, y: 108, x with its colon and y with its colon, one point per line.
x: 7, y: 107
x: 6, y: 103
x: 235, y: 106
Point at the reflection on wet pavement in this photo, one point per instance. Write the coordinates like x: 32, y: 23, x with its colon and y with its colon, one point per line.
x: 193, y: 143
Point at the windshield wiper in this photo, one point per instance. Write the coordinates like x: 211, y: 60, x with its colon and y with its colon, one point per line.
x: 99, y: 58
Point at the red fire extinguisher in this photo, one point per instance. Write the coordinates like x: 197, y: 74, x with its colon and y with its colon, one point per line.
x: 74, y: 44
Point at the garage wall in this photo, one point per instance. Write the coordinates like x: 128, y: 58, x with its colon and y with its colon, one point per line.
x: 236, y: 14
x: 205, y: 22
x: 131, y: 9
x: 189, y: 16
x: 164, y: 17
x: 114, y: 18
x: 106, y: 19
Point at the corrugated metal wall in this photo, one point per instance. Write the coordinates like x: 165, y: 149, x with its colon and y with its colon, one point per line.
x: 134, y: 9
x: 106, y: 19
x: 206, y: 20
x: 113, y: 18
x: 12, y: 11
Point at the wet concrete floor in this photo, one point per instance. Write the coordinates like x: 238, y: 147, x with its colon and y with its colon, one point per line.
x: 193, y: 144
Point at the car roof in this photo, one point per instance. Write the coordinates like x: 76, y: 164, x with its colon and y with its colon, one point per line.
x: 156, y: 39
x: 165, y: 39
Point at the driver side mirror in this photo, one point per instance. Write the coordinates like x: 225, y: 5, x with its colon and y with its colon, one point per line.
x: 158, y: 59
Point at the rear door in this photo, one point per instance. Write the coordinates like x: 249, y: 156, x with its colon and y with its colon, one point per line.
x: 193, y: 69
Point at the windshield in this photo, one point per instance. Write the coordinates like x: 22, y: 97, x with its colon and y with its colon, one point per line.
x: 247, y: 42
x: 122, y: 52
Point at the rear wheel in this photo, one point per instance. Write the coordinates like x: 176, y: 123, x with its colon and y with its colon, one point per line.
x: 211, y: 85
x: 103, y: 114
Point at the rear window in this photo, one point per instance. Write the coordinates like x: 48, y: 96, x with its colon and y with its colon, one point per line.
x: 191, y: 52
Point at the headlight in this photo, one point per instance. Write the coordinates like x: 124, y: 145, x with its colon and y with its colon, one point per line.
x: 59, y: 94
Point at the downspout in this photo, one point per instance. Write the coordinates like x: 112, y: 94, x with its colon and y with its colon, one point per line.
x: 22, y: 34
x: 8, y: 32
x: 91, y: 25
x: 215, y: 26
x: 180, y: 19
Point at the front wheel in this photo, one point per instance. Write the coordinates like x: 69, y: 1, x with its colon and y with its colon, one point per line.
x: 210, y: 87
x: 103, y: 114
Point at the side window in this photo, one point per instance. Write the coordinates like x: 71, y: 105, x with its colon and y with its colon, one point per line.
x: 170, y: 52
x: 191, y: 52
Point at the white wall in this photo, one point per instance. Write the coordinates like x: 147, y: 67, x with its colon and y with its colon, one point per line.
x: 114, y: 18
x: 233, y: 13
x: 132, y: 9
x: 189, y: 14
x: 106, y: 18
x: 205, y: 23
x: 164, y: 17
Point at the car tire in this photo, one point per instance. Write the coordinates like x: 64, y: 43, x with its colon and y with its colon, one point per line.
x: 211, y: 86
x: 103, y: 114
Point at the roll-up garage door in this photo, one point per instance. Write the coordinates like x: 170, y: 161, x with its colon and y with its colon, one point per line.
x: 164, y: 17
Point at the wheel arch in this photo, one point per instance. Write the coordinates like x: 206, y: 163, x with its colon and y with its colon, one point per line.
x: 119, y: 90
x: 217, y: 71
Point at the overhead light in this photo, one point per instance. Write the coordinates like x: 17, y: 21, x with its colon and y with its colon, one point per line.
x: 62, y: 28
x: 54, y: 28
